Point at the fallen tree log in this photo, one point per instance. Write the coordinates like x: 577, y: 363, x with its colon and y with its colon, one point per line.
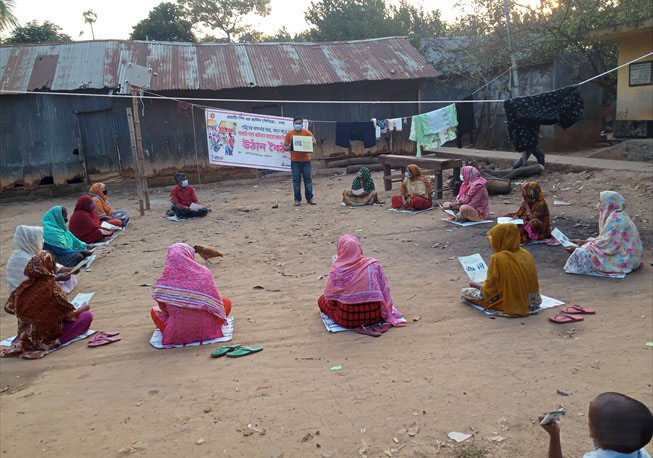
x: 372, y: 167
x: 351, y: 161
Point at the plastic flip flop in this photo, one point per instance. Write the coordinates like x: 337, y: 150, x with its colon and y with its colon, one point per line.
x: 224, y: 350
x: 108, y: 333
x: 381, y: 327
x: 244, y: 351
x: 366, y: 331
x: 98, y: 341
x: 564, y: 318
x: 578, y: 310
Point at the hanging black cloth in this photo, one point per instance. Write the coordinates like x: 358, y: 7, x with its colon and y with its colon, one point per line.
x: 525, y: 114
x: 348, y: 131
x: 466, y: 121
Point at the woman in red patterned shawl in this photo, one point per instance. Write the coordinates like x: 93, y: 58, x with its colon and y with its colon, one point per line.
x: 45, y: 317
x: 535, y: 213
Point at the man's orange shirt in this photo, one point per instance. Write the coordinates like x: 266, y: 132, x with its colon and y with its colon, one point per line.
x: 296, y: 155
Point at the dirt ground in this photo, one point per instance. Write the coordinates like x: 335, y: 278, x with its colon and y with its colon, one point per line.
x: 453, y: 369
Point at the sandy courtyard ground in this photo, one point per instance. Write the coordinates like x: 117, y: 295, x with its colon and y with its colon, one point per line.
x: 453, y: 369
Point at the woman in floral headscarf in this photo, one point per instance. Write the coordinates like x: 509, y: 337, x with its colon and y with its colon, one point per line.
x: 535, y: 213
x: 473, y: 201
x: 618, y: 248
x: 416, y: 191
x: 45, y: 317
x: 362, y: 191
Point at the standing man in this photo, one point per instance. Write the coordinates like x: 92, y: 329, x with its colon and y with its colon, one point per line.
x: 184, y: 200
x: 300, y: 163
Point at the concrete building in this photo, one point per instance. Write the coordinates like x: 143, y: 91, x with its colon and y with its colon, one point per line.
x: 634, y: 116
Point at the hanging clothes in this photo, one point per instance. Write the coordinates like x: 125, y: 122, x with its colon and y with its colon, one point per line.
x: 525, y: 114
x: 466, y: 121
x: 349, y: 131
x: 431, y: 130
x: 395, y: 124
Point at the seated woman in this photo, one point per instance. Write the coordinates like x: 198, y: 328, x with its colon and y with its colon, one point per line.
x: 103, y: 210
x: 511, y: 286
x: 85, y: 224
x: 67, y: 249
x: 618, y: 248
x: 416, y: 191
x: 29, y: 241
x: 357, y: 292
x: 362, y: 190
x: 535, y: 213
x: 190, y: 308
x: 473, y: 201
x: 46, y: 319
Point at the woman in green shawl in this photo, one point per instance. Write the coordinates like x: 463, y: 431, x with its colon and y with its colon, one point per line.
x: 67, y: 249
x: 362, y: 190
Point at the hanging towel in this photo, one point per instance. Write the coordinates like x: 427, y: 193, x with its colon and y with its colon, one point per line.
x: 395, y: 124
x: 525, y: 114
x: 432, y: 129
x: 466, y: 120
x: 348, y: 131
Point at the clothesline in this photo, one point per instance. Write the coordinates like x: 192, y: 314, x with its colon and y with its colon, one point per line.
x: 346, y: 102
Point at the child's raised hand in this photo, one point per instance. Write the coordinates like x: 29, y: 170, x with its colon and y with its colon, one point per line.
x: 552, y: 428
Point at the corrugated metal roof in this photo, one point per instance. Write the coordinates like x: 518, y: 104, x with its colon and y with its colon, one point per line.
x: 209, y: 66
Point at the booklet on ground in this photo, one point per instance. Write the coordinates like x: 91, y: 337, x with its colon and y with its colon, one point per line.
x: 562, y: 238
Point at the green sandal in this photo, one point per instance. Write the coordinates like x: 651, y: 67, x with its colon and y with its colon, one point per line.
x: 224, y: 350
x: 244, y: 351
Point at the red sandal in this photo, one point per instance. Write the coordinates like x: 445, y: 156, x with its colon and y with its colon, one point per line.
x: 578, y: 310
x: 564, y: 318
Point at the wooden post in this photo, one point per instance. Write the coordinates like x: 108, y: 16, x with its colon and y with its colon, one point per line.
x: 137, y: 167
x: 80, y: 149
x: 139, y: 149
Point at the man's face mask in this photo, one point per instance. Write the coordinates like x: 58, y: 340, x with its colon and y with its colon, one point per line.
x: 184, y: 183
x: 298, y: 127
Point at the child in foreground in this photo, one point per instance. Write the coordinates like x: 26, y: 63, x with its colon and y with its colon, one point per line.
x: 620, y: 427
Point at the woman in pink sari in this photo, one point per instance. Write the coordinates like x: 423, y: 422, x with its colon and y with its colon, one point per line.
x: 190, y: 307
x: 473, y: 201
x: 357, y: 293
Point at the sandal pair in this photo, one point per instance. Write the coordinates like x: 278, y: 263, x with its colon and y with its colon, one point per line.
x: 567, y: 315
x: 235, y: 351
x: 104, y: 338
x: 374, y: 331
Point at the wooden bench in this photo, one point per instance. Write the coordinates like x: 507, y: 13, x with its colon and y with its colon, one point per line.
x: 391, y: 161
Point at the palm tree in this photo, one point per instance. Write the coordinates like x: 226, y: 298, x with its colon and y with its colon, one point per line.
x: 90, y: 17
x: 7, y: 18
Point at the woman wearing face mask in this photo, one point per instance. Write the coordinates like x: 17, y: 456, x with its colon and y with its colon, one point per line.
x: 103, y: 210
x: 85, y: 224
x: 416, y: 191
x: 183, y: 197
x: 67, y: 249
x: 473, y: 201
x: 362, y: 190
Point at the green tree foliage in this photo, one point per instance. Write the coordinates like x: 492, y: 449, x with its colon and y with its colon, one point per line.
x: 227, y: 16
x: 333, y: 20
x: 7, y: 18
x: 541, y: 33
x: 166, y: 22
x: 33, y: 32
x: 282, y: 35
x: 90, y: 17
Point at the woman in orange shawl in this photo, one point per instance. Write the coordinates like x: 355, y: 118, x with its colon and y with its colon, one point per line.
x: 416, y: 191
x: 45, y: 317
x: 511, y: 286
x: 103, y: 210
x: 535, y: 213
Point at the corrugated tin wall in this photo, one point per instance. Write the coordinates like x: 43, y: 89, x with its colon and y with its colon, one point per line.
x: 39, y: 133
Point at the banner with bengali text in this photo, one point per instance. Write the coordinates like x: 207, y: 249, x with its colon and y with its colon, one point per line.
x: 247, y: 140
